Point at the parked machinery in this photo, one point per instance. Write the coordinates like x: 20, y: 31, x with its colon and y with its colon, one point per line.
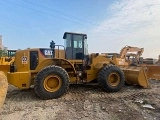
x: 51, y: 70
x: 6, y: 61
x: 130, y: 55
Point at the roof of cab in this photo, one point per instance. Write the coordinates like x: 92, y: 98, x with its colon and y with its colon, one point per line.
x: 64, y: 36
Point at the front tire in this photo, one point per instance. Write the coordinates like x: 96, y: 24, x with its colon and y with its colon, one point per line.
x: 51, y: 82
x: 111, y: 78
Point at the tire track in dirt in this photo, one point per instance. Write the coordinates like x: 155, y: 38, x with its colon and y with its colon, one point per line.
x: 78, y: 92
x: 87, y: 101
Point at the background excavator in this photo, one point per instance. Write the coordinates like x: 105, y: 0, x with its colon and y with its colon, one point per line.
x: 129, y: 56
x: 51, y: 70
x: 133, y: 57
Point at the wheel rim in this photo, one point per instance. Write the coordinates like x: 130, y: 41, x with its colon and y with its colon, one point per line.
x: 52, y: 83
x: 113, y: 79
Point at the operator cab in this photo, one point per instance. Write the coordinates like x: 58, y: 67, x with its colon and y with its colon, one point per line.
x: 76, y: 45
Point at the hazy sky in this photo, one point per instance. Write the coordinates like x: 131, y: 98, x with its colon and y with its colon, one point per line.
x: 110, y: 25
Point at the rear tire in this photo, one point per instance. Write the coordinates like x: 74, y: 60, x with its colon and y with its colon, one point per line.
x: 51, y: 82
x: 111, y: 78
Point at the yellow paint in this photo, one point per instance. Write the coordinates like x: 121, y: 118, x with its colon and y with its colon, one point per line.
x: 52, y: 83
x: 24, y: 77
x: 136, y: 75
x: 20, y: 79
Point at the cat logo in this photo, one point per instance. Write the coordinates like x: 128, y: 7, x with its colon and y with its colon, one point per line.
x: 48, y: 52
x: 24, y: 60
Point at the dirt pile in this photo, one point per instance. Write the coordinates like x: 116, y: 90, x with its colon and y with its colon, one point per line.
x: 3, y: 88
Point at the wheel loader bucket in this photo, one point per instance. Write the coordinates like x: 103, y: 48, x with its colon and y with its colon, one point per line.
x: 153, y: 72
x: 136, y: 75
x: 3, y: 88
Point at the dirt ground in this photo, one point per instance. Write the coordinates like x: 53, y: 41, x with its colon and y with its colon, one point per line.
x: 85, y: 102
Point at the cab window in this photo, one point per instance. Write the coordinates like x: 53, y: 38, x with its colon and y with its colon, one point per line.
x: 77, y: 41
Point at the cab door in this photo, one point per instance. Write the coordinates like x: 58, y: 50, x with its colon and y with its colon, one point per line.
x: 78, y: 52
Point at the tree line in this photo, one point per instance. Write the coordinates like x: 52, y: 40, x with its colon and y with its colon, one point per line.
x: 3, y: 53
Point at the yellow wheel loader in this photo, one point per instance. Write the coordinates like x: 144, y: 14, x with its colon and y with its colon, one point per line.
x: 6, y: 61
x: 51, y: 70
